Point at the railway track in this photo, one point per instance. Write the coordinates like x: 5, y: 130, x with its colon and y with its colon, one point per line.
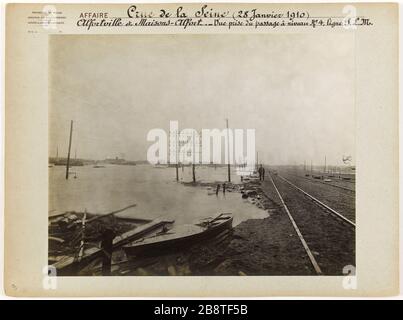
x: 327, y: 236
x: 319, y: 203
x: 341, y: 201
x: 351, y: 191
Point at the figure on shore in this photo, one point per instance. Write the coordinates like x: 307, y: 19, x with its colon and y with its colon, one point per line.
x: 217, y: 190
x: 261, y: 171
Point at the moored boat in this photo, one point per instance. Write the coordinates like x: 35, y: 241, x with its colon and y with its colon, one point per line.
x: 180, y: 236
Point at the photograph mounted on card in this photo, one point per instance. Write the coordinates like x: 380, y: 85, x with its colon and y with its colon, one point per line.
x: 178, y: 147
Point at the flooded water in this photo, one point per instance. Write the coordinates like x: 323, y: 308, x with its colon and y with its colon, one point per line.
x: 154, y: 190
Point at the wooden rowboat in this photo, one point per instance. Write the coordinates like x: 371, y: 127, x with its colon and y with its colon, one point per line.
x: 180, y: 236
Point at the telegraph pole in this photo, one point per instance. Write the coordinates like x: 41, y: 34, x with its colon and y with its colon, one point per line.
x: 194, y: 159
x: 68, y: 154
x: 177, y: 154
x: 229, y: 165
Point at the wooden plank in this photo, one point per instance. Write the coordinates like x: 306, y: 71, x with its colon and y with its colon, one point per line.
x: 138, y: 232
x: 110, y: 213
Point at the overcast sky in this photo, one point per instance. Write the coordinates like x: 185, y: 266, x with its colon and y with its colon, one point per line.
x: 296, y: 91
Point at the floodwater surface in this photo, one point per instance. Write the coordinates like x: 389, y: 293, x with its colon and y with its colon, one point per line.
x: 154, y: 191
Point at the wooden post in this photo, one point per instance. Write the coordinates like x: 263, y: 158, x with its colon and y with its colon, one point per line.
x: 177, y: 154
x: 107, y: 249
x: 82, y: 243
x: 194, y: 159
x: 229, y: 157
x: 68, y: 154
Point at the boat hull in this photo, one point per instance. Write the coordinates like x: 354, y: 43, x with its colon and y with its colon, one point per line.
x: 173, y: 244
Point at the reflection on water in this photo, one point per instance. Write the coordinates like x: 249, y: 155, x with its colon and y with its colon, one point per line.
x: 154, y: 190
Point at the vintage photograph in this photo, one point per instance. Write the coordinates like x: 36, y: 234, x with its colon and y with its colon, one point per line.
x: 202, y: 154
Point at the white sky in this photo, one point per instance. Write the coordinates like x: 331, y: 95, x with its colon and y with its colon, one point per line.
x: 296, y: 91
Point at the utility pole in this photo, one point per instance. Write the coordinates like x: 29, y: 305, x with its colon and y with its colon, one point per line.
x: 229, y: 156
x: 68, y: 154
x: 177, y: 154
x: 194, y: 159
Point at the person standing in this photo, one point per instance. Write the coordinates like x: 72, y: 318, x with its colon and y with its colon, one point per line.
x: 260, y: 170
x: 263, y: 173
x: 217, y: 190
